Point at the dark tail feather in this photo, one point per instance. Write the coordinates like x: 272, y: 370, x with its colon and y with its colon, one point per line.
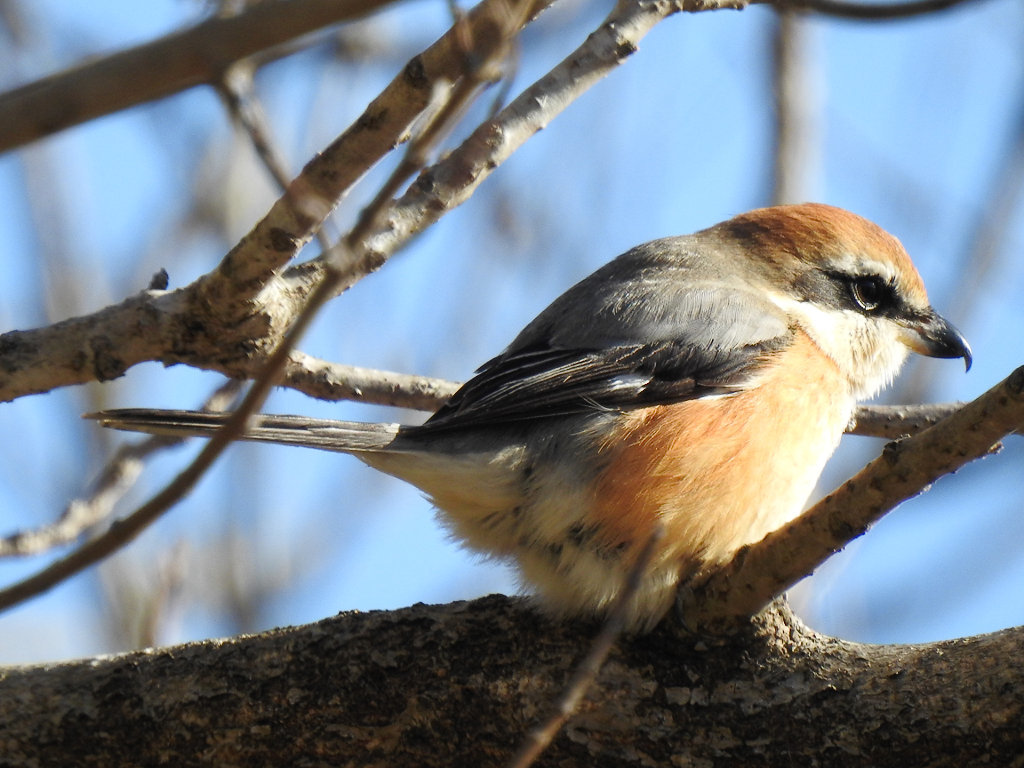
x: 325, y: 434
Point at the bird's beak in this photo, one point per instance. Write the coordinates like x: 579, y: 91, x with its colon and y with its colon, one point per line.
x: 934, y: 336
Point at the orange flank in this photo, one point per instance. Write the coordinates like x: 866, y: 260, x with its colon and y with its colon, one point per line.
x: 714, y: 501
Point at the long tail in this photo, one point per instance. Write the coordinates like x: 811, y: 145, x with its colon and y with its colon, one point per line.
x: 327, y: 435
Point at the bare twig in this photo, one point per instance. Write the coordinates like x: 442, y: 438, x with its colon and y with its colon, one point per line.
x: 236, y: 89
x: 117, y: 477
x: 114, y: 480
x: 482, y: 51
x: 332, y: 381
x: 385, y: 122
x: 870, y: 11
x: 763, y: 570
x: 453, y: 180
x: 586, y: 671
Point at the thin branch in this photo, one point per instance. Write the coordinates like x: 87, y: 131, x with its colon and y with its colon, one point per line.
x: 763, y: 570
x: 481, y: 49
x: 586, y: 671
x: 870, y: 11
x: 452, y: 181
x: 797, y: 110
x: 385, y: 123
x: 181, y: 60
x: 331, y: 381
x: 238, y: 92
x: 896, y: 421
x: 113, y: 481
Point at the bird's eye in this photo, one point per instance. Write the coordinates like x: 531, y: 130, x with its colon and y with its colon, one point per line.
x: 869, y: 291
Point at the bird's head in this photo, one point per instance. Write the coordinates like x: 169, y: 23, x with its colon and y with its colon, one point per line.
x: 849, y: 285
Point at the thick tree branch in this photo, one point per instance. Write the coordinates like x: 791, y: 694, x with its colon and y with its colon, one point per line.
x: 459, y: 685
x: 181, y: 60
x: 169, y: 326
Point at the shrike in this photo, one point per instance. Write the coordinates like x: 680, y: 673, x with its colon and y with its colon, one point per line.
x: 700, y: 381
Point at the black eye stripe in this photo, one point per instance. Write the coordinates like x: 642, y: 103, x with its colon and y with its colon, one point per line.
x: 866, y: 293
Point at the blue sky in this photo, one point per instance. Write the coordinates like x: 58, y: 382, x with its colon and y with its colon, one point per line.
x: 916, y: 119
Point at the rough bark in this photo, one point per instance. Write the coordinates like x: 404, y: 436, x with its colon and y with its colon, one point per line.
x: 459, y: 685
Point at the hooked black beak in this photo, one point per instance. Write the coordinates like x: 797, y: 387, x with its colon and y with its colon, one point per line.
x: 932, y: 335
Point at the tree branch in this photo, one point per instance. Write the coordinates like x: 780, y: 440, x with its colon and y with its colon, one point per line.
x: 870, y: 11
x: 181, y: 60
x: 797, y: 110
x: 333, y: 381
x: 896, y: 421
x: 384, y: 124
x: 458, y: 684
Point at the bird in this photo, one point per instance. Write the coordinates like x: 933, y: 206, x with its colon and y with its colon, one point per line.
x: 695, y: 385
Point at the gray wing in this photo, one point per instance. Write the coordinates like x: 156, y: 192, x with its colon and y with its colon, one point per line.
x: 643, y: 330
